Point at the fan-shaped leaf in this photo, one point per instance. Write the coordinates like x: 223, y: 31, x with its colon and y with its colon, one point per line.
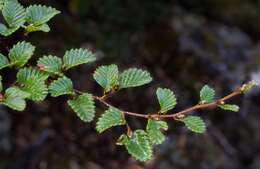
x: 231, y: 107
x: 14, y: 14
x: 111, y: 117
x: 153, y: 130
x: 75, y: 57
x: 207, y: 94
x: 40, y: 14
x: 138, y: 145
x: 21, y: 53
x: 194, y: 123
x: 107, y: 77
x: 83, y: 106
x: 51, y: 64
x: 33, y: 81
x: 166, y: 99
x: 3, y: 61
x: 61, y: 86
x: 134, y: 77
x: 15, y: 98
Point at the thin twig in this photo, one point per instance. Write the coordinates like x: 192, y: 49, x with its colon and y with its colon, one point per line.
x: 176, y: 114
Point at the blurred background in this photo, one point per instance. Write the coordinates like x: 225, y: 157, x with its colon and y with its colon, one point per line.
x: 184, y: 44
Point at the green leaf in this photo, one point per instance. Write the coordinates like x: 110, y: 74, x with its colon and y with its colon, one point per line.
x: 138, y: 145
x: 134, y: 77
x: 5, y: 31
x: 194, y: 123
x: 83, y: 106
x: 51, y: 64
x: 39, y: 14
x: 166, y: 99
x: 61, y: 86
x: 15, y: 98
x: 207, y: 94
x: 3, y: 61
x: 110, y: 118
x: 107, y: 77
x: 33, y: 81
x: 21, y: 53
x: 231, y: 107
x: 153, y: 130
x: 33, y: 28
x: 14, y: 14
x: 75, y: 57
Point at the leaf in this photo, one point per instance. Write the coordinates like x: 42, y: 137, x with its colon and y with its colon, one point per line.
x: 194, y: 123
x: 61, y: 86
x: 13, y: 13
x: 51, y: 64
x: 138, y: 145
x: 3, y: 61
x: 153, y: 130
x: 33, y: 28
x: 39, y: 14
x: 231, y: 107
x: 21, y: 53
x: 15, y: 98
x: 75, y: 57
x: 33, y: 81
x: 134, y: 77
x: 207, y: 94
x: 27, y: 76
x: 110, y: 118
x: 166, y: 99
x: 107, y: 77
x: 83, y: 105
x: 5, y: 31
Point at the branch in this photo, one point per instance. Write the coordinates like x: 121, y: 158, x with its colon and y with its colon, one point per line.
x: 180, y: 113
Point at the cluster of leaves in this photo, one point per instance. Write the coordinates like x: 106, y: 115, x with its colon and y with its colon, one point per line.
x: 34, y: 83
x: 32, y: 18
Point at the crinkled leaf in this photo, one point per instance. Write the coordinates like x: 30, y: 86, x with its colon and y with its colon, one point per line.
x: 51, y: 64
x: 153, y: 130
x: 83, y: 105
x: 207, y: 94
x: 107, y: 77
x: 21, y: 53
x: 27, y: 76
x: 231, y: 107
x: 138, y: 145
x: 33, y: 81
x: 39, y: 14
x: 75, y: 57
x: 13, y: 13
x: 194, y: 123
x: 61, y: 86
x: 14, y: 98
x: 3, y: 61
x: 134, y: 77
x: 166, y: 99
x: 110, y: 118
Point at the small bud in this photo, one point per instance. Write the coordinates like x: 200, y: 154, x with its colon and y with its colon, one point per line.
x: 1, y: 97
x: 246, y: 87
x: 180, y: 116
x: 41, y: 67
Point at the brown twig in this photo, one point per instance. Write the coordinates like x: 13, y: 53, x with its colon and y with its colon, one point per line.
x: 177, y: 114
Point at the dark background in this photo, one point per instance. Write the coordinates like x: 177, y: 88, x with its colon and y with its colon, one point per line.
x: 184, y: 44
